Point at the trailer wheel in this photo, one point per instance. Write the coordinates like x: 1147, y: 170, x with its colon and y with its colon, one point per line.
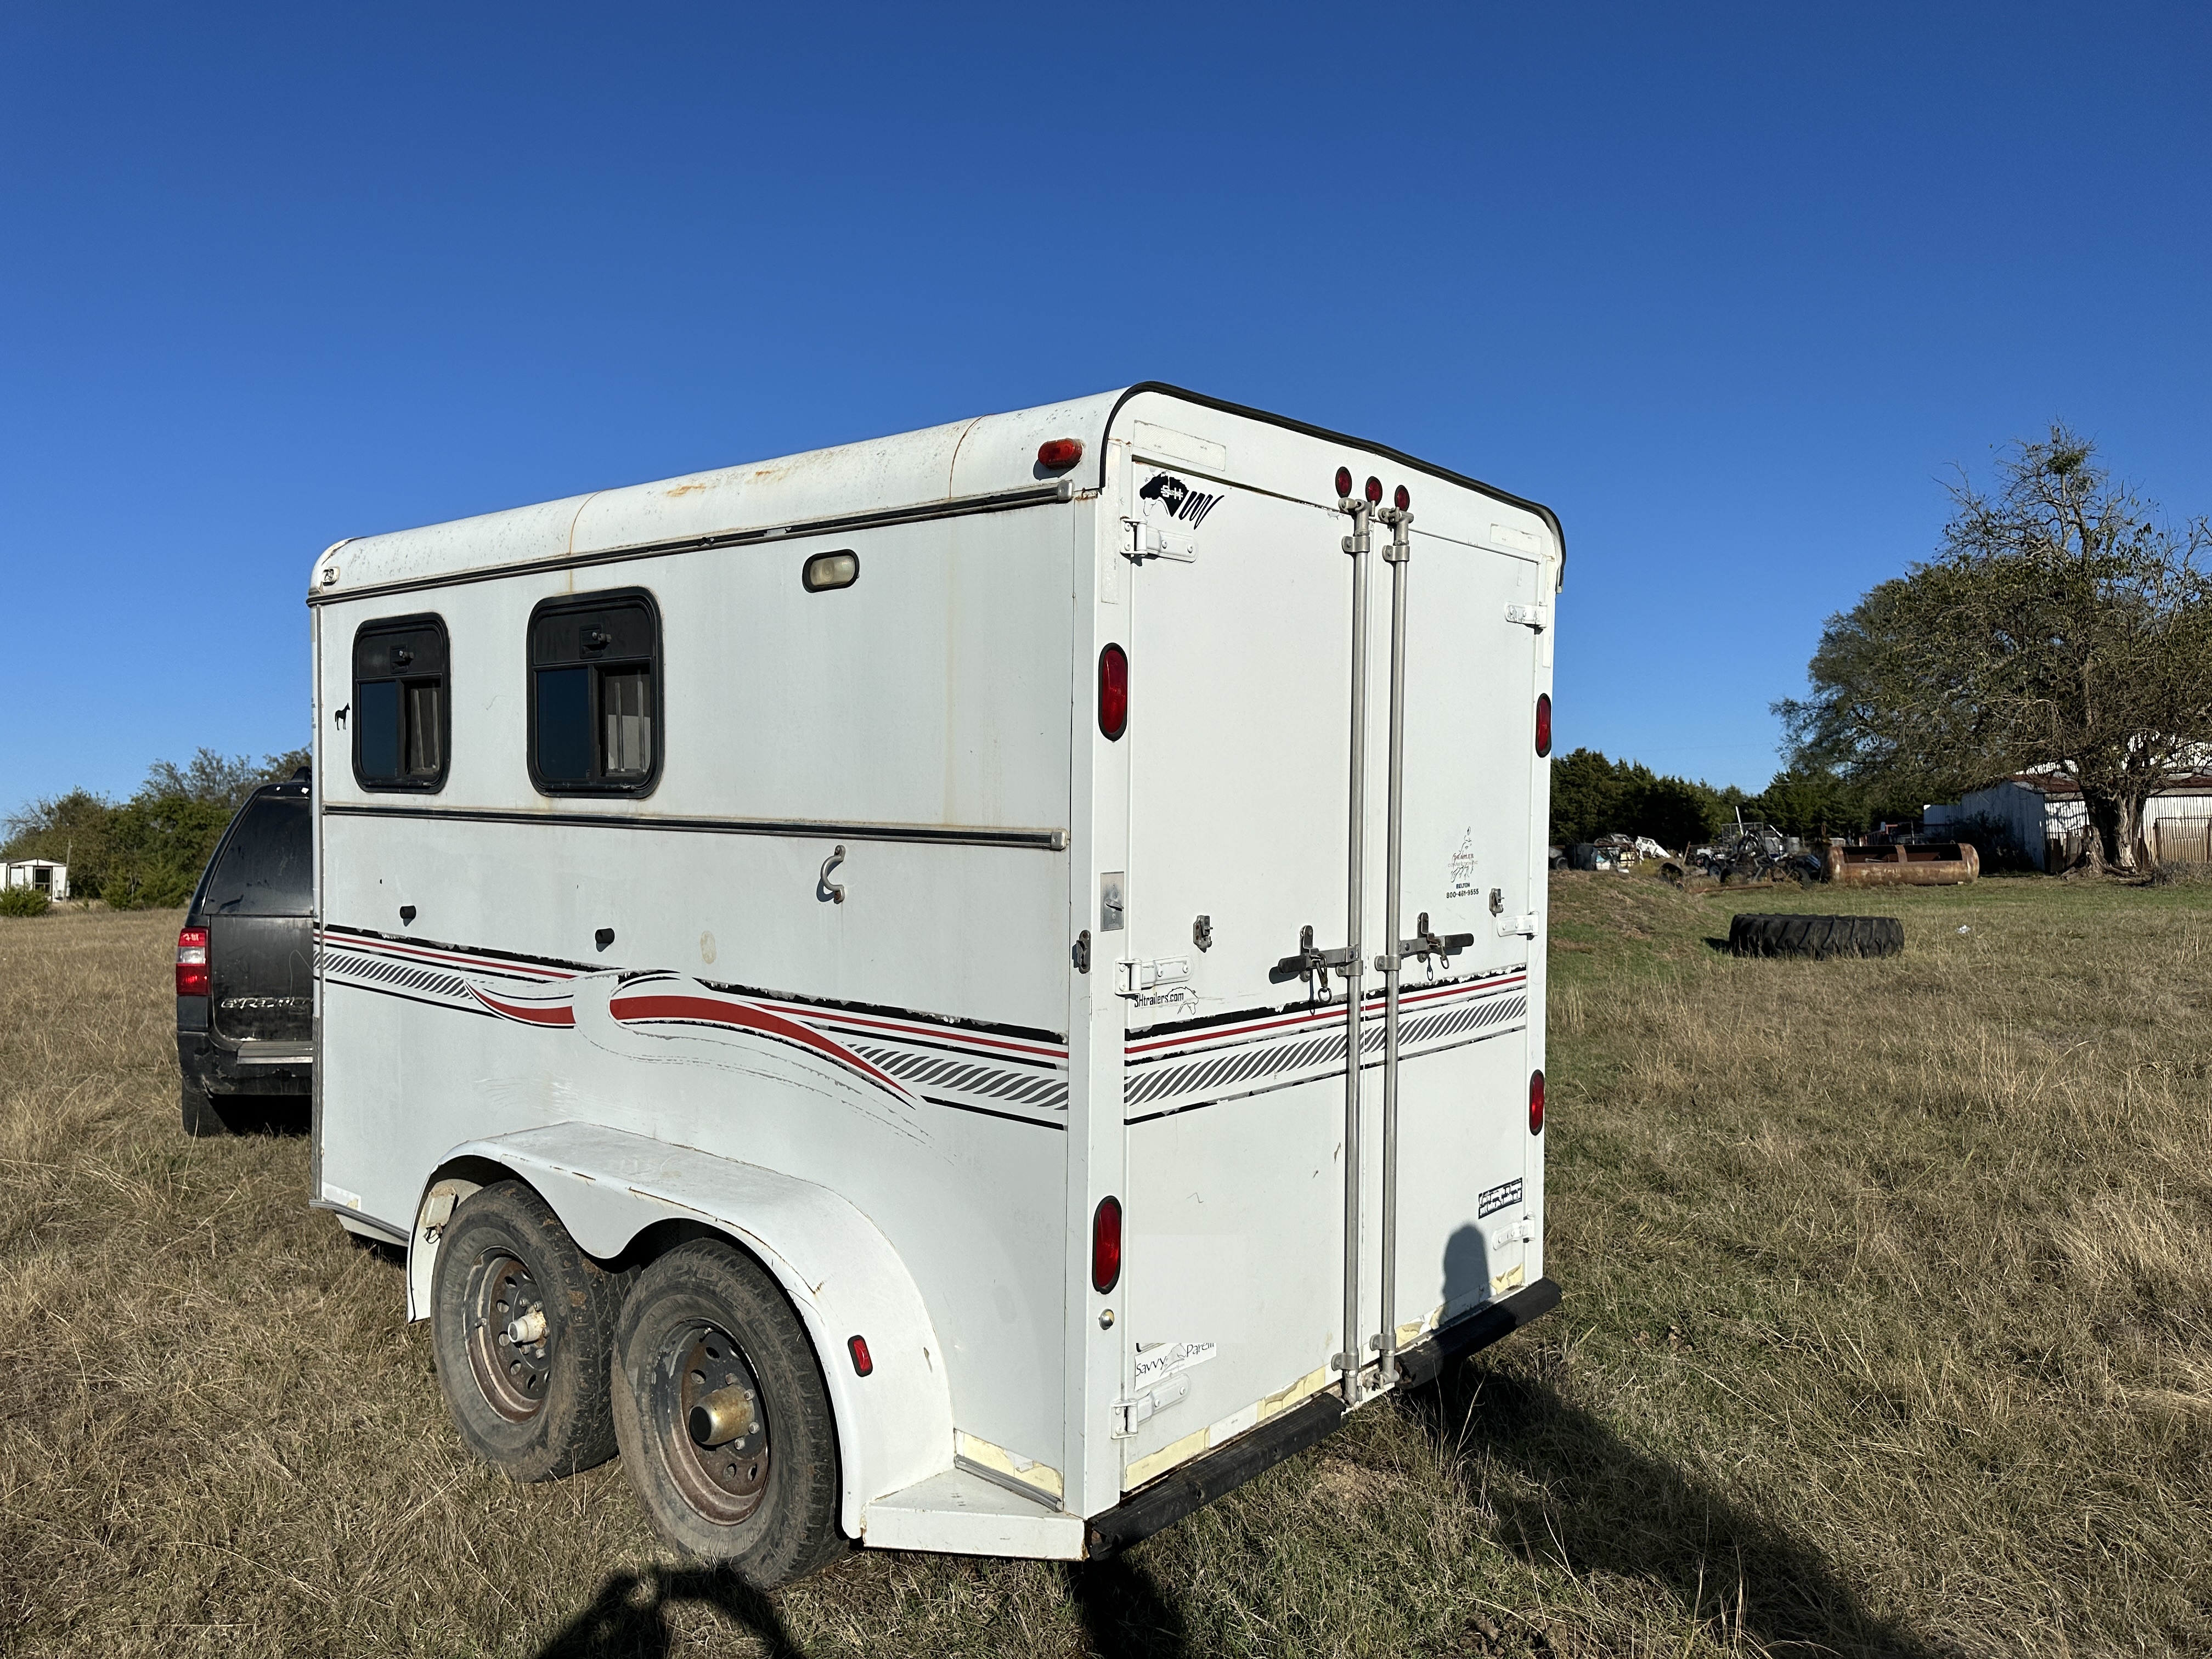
x: 723, y: 1417
x: 1819, y: 937
x: 522, y: 1324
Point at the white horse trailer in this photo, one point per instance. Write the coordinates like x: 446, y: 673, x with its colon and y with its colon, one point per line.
x: 967, y: 992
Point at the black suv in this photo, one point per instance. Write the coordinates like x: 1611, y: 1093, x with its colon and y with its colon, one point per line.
x: 246, y: 967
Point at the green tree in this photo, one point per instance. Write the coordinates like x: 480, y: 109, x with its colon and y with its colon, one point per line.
x: 2061, y: 623
x: 1585, y: 796
x: 150, y: 849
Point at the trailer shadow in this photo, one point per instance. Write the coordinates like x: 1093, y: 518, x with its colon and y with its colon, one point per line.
x: 1568, y: 1491
x: 1123, y: 1614
x: 629, y: 1617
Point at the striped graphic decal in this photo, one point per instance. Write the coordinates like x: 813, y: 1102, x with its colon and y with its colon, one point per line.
x: 1181, y: 1070
x: 914, y: 1059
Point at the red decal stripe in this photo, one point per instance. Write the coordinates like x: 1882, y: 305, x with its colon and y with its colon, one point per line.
x: 741, y: 1015
x: 1370, y: 1008
x: 530, y: 1013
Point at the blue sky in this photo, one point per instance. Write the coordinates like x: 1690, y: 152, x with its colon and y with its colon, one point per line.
x: 1733, y: 288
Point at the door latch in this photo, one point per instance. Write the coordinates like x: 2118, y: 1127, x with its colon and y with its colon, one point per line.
x: 1129, y: 1413
x: 1315, y: 965
x: 1133, y: 978
x: 1425, y: 945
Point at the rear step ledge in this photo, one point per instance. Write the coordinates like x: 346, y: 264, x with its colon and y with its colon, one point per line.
x: 958, y: 1512
x: 1434, y: 1354
x: 1198, y: 1483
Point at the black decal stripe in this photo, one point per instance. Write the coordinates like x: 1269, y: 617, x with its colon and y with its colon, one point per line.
x: 1292, y: 1083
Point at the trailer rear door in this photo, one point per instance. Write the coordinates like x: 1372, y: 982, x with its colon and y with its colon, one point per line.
x: 1234, y: 1079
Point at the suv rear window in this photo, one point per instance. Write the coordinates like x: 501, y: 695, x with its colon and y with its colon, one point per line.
x: 267, y: 865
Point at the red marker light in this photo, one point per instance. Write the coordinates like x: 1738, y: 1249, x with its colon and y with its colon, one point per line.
x: 1375, y: 492
x: 1106, y: 1246
x: 1535, y: 1103
x: 191, y: 962
x: 1404, y: 498
x: 1057, y: 454
x: 1113, y: 691
x: 1343, y: 484
x: 1544, y: 723
x: 858, y: 1347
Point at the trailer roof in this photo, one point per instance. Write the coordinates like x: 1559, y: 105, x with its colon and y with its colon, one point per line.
x: 979, y: 465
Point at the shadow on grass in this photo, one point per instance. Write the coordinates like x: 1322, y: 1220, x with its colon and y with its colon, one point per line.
x: 629, y: 1617
x: 1124, y: 1614
x: 287, y: 1117
x: 1588, y: 1500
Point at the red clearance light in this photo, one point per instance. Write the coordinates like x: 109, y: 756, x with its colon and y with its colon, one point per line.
x: 1113, y: 691
x: 1544, y: 723
x: 191, y: 962
x: 1057, y: 454
x: 858, y: 1346
x: 1535, y: 1103
x: 1106, y: 1245
x: 1404, y: 498
x: 1375, y: 492
x: 1343, y: 484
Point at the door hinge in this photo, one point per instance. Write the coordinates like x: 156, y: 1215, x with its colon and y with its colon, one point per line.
x: 1141, y: 541
x: 1129, y: 1413
x: 1133, y: 978
x: 1524, y: 926
x: 1538, y: 617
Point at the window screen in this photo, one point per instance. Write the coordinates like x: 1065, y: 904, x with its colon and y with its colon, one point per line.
x: 595, y: 693
x: 401, y: 721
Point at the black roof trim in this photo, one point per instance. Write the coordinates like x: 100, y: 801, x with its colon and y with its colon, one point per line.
x: 1322, y: 432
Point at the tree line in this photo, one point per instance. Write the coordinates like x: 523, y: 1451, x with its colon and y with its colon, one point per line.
x: 1593, y: 796
x: 147, y: 851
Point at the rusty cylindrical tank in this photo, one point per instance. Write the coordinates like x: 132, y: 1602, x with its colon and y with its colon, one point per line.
x: 1933, y: 863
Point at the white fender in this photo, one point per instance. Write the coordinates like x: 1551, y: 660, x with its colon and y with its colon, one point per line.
x: 894, y: 1426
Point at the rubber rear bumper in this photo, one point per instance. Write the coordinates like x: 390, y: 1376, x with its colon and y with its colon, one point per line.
x: 1199, y: 1482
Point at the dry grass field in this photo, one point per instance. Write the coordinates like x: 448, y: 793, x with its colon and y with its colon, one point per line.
x: 1888, y: 1331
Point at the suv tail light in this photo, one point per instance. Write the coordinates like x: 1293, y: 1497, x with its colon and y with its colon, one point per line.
x: 1106, y: 1245
x: 191, y: 962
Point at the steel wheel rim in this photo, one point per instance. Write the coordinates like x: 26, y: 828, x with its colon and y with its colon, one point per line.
x: 512, y: 1378
x: 725, y: 1484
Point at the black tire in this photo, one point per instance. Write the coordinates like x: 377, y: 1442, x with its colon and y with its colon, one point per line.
x: 1818, y: 937
x: 703, y: 1318
x: 538, y: 1409
x: 1582, y: 856
x: 203, y: 1119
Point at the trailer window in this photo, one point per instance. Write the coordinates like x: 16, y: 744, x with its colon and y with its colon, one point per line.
x: 401, y: 723
x: 595, y: 694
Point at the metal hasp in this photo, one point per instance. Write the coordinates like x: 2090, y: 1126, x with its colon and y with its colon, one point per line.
x: 1399, y: 554
x: 1354, y: 903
